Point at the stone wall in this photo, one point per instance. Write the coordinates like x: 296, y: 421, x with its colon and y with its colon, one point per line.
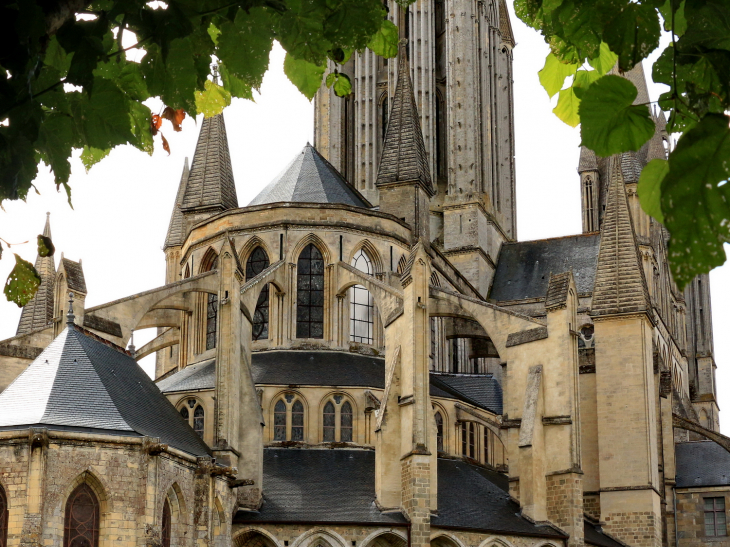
x: 691, y: 517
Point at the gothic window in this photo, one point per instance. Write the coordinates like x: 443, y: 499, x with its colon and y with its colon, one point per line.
x: 310, y: 293
x: 81, y: 528
x: 384, y: 117
x: 464, y: 432
x: 289, y: 419
x: 166, y: 524
x: 715, y: 521
x: 199, y: 420
x: 280, y: 421
x: 588, y: 204
x: 3, y: 518
x: 185, y: 414
x: 194, y: 413
x: 210, y: 262
x: 439, y: 432
x: 361, y: 303
x: 187, y: 271
x: 257, y: 262
x: 297, y: 421
x: 487, y: 451
x: 346, y: 423
x: 328, y: 423
x: 472, y: 440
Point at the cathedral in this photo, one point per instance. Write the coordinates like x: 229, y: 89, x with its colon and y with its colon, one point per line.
x: 367, y: 356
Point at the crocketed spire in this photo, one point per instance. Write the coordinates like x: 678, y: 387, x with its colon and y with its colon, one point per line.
x: 210, y: 184
x: 38, y: 313
x: 620, y: 286
x: 587, y: 161
x: 176, y: 229
x: 404, y: 153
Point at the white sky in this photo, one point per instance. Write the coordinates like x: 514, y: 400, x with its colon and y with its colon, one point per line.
x: 122, y: 206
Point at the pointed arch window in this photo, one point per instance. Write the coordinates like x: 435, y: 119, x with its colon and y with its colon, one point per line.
x: 199, y: 420
x: 310, y: 293
x: 289, y: 419
x: 4, y: 510
x: 297, y: 421
x: 81, y: 528
x: 210, y: 262
x: 439, y: 432
x: 194, y: 413
x: 280, y: 421
x: 257, y: 262
x: 337, y: 420
x: 346, y: 422
x: 361, y: 303
x: 166, y: 524
x: 328, y: 422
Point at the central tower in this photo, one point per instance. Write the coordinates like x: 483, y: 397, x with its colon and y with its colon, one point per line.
x: 460, y: 56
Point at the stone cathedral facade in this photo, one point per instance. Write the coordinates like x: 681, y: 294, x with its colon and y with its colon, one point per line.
x: 366, y: 356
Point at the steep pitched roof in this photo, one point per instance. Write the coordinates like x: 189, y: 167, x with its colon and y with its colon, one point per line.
x: 702, y: 463
x: 404, y: 156
x: 310, y: 178
x: 620, y: 286
x: 630, y: 167
x: 557, y: 292
x: 74, y: 275
x: 38, y: 313
x: 587, y: 161
x: 79, y: 382
x: 210, y: 184
x: 175, y: 231
x: 505, y: 26
x: 637, y: 77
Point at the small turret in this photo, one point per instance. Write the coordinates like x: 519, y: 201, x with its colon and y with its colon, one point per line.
x: 589, y: 188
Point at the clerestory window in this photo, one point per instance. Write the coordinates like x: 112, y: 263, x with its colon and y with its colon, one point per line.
x: 289, y: 419
x: 257, y: 262
x: 361, y: 303
x: 310, y: 293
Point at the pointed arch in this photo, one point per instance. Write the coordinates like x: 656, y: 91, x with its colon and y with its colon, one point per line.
x: 493, y: 541
x: 320, y: 536
x: 209, y: 261
x: 288, y: 412
x: 250, y: 245
x: 385, y: 538
x: 310, y: 302
x: 82, y: 518
x: 372, y: 252
x: 254, y: 537
x: 315, y: 240
x: 4, y: 512
x: 444, y: 539
x: 256, y: 262
x: 362, y: 304
x: 337, y: 412
x: 401, y: 265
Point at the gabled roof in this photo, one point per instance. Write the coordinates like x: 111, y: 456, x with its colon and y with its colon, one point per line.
x: 38, y: 313
x: 175, y: 231
x: 210, y: 184
x: 404, y: 156
x: 310, y: 178
x: 79, y: 382
x: 620, y: 286
x: 74, y: 275
x: 192, y: 377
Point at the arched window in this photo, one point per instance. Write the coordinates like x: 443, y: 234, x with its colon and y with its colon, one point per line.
x: 81, y: 527
x: 166, y: 524
x: 384, y: 117
x: 257, y: 262
x: 328, y: 423
x: 289, y: 419
x: 310, y: 293
x: 194, y: 414
x: 346, y: 423
x: 4, y: 509
x: 199, y: 420
x: 210, y: 262
x: 185, y: 414
x: 439, y: 432
x: 280, y: 421
x: 187, y: 271
x: 297, y: 421
x: 361, y: 303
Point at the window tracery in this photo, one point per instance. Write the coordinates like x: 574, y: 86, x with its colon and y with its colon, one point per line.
x: 361, y: 303
x: 210, y: 263
x: 439, y: 432
x: 81, y: 527
x: 310, y: 293
x: 337, y: 420
x: 194, y: 413
x: 166, y: 524
x: 257, y: 262
x: 289, y: 419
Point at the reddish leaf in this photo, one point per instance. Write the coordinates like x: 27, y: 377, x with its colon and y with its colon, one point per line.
x: 175, y: 116
x: 155, y: 124
x: 165, y: 145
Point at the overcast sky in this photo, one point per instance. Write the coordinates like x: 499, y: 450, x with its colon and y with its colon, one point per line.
x: 122, y: 206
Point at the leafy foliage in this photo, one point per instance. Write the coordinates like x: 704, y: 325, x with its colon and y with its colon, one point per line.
x: 22, y: 283
x: 587, y: 40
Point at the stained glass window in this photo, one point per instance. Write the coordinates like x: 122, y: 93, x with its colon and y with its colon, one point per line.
x: 346, y: 423
x: 81, y: 527
x: 439, y: 432
x: 297, y: 421
x: 472, y: 443
x: 3, y: 519
x: 211, y: 312
x: 280, y: 421
x: 715, y: 519
x: 199, y: 420
x: 184, y: 413
x: 166, y: 524
x: 328, y: 423
x: 361, y: 303
x: 257, y: 262
x: 310, y: 293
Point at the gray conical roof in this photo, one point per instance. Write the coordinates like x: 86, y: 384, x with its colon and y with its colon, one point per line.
x: 310, y: 178
x: 81, y: 382
x: 176, y: 231
x: 38, y: 313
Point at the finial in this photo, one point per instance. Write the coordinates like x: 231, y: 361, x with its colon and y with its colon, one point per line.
x: 131, y: 349
x: 70, y: 317
x: 48, y: 215
x: 215, y: 74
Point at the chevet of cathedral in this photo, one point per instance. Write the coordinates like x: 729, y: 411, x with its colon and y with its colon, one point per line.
x: 366, y: 355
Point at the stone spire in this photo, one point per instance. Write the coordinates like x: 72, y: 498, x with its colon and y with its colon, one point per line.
x: 587, y: 161
x: 210, y: 186
x: 38, y: 313
x: 404, y: 157
x: 505, y: 26
x: 630, y: 167
x: 637, y: 77
x: 176, y: 229
x: 620, y: 287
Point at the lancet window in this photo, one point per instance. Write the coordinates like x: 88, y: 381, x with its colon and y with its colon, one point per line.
x: 337, y: 420
x: 194, y: 413
x: 257, y: 262
x: 439, y: 432
x: 166, y: 524
x: 289, y: 419
x: 310, y: 293
x: 210, y: 262
x: 361, y: 303
x: 81, y: 527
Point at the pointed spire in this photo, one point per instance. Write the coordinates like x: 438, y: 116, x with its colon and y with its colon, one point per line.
x: 635, y: 76
x: 176, y: 230
x: 210, y: 185
x: 630, y: 167
x: 587, y: 161
x: 656, y: 148
x: 404, y: 153
x: 505, y: 26
x: 38, y: 313
x: 620, y: 286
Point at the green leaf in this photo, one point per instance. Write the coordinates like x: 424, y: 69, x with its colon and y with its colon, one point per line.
x: 213, y: 100
x: 306, y: 76
x: 610, y: 122
x: 181, y: 79
x: 55, y: 142
x: 235, y: 86
x: 650, y: 188
x: 680, y: 22
x: 104, y: 117
x: 342, y: 86
x: 90, y: 157
x: 696, y: 199
x: 567, y: 107
x: 331, y: 77
x: 553, y: 74
x: 605, y: 61
x: 385, y: 41
x: 244, y: 45
x: 140, y: 117
x: 579, y: 26
x: 214, y: 32
x: 633, y: 33
x: 22, y: 283
x: 45, y: 246
x: 56, y: 57
x: 352, y: 24
x: 131, y: 81
x: 530, y: 12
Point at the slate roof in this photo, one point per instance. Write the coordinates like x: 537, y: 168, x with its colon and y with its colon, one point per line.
x: 505, y: 26
x: 175, y: 234
x: 404, y: 156
x: 330, y: 368
x: 702, y: 463
x: 38, y: 313
x: 310, y: 178
x: 557, y: 292
x: 319, y: 486
x: 78, y: 382
x: 587, y: 160
x: 524, y: 268
x: 210, y: 184
x: 594, y: 535
x: 74, y: 275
